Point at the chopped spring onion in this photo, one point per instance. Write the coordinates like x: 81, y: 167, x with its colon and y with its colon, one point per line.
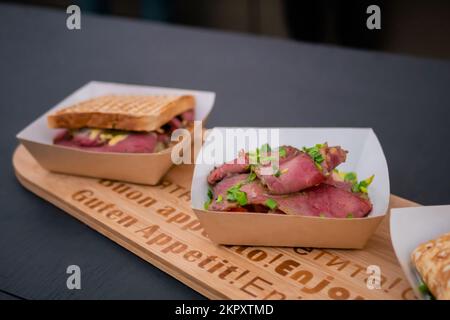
x: 272, y: 204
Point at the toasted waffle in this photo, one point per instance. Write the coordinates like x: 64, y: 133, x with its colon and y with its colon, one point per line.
x: 123, y: 112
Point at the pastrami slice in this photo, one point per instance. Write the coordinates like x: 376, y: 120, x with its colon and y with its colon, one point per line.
x: 333, y: 156
x: 296, y: 174
x: 253, y: 190
x: 236, y: 166
x: 302, y: 170
x: 326, y: 201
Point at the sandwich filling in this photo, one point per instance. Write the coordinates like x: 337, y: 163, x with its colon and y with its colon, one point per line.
x: 110, y: 140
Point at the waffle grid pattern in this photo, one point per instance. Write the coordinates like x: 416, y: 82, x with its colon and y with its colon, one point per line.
x: 124, y: 104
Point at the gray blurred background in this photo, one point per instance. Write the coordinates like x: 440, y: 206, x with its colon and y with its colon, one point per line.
x: 414, y: 27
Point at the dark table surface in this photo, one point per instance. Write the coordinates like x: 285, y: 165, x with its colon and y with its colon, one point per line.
x: 259, y: 82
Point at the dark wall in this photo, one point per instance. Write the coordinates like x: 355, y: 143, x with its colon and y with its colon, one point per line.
x: 414, y: 27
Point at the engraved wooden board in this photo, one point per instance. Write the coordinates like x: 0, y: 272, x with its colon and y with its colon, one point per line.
x: 157, y: 224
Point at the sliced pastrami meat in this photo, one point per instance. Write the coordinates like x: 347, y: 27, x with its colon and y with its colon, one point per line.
x: 332, y: 157
x: 294, y: 175
x: 242, y: 164
x: 326, y: 201
x: 188, y: 116
x: 236, y: 166
x: 336, y: 181
x: 253, y: 190
x: 300, y: 171
x: 130, y: 142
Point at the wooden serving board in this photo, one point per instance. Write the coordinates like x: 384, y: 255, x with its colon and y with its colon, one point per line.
x: 157, y: 224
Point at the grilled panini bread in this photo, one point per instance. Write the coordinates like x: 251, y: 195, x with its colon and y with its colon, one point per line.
x: 432, y: 261
x: 123, y: 112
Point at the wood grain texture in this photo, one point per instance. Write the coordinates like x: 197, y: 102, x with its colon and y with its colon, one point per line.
x: 157, y: 224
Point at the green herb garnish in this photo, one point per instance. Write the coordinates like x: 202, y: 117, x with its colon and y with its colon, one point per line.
x: 264, y: 154
x: 219, y: 198
x: 210, y: 193
x: 362, y: 185
x: 234, y: 194
x: 314, y: 153
x: 210, y: 198
x: 423, y: 288
x: 266, y: 159
x: 265, y: 148
x: 282, y: 152
x: 207, y: 204
x: 254, y: 156
x: 365, y: 183
x: 277, y: 173
x: 350, y: 176
x: 251, y: 176
x: 350, y: 216
x: 357, y: 187
x: 272, y: 204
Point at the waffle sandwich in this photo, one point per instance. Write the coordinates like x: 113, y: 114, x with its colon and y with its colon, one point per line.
x: 122, y: 123
x: 432, y: 261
